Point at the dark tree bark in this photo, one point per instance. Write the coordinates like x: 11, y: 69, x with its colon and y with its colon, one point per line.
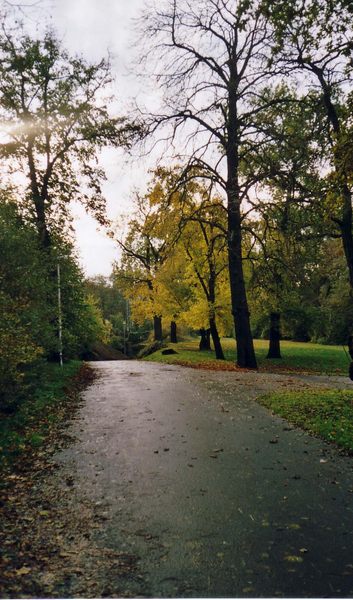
x: 212, y: 301
x: 205, y: 343
x: 345, y: 226
x: 39, y: 199
x: 274, y: 350
x: 208, y: 338
x: 216, y: 339
x: 245, y: 347
x: 157, y: 328
x: 173, y: 332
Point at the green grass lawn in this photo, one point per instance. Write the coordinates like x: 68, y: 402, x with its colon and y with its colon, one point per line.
x: 296, y: 357
x: 38, y: 414
x: 326, y: 413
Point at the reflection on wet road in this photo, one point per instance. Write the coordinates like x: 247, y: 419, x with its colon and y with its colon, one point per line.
x: 214, y: 495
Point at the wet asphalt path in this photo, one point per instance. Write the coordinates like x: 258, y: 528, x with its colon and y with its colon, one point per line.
x: 216, y: 497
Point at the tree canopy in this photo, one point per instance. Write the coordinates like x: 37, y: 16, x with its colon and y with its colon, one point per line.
x: 55, y: 110
x: 253, y: 193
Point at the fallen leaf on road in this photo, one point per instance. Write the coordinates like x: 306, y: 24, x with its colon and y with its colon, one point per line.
x: 293, y: 559
x: 23, y: 571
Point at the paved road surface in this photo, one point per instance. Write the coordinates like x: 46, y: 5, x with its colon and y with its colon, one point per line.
x: 214, y: 495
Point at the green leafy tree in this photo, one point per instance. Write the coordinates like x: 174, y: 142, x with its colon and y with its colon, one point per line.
x: 29, y: 304
x: 152, y: 234
x: 284, y: 280
x: 24, y: 329
x: 203, y: 240
x: 175, y: 258
x: 82, y: 320
x: 334, y: 296
x: 55, y: 111
x: 314, y: 42
x: 115, y: 311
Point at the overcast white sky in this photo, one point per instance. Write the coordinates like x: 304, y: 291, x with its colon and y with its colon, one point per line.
x: 91, y: 27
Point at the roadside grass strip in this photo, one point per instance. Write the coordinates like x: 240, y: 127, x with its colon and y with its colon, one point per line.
x: 41, y: 412
x: 297, y: 357
x: 325, y: 413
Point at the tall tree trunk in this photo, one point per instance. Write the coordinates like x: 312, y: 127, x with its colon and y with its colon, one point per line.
x: 157, y: 328
x: 205, y: 339
x: 42, y: 229
x: 38, y: 199
x: 216, y: 340
x: 274, y: 350
x: 212, y: 315
x: 245, y: 347
x: 173, y: 332
x: 346, y: 230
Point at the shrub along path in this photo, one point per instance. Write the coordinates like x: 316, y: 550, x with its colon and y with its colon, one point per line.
x: 176, y: 483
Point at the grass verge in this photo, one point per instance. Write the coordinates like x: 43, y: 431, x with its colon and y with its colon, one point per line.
x: 296, y: 357
x: 40, y: 416
x: 325, y: 413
